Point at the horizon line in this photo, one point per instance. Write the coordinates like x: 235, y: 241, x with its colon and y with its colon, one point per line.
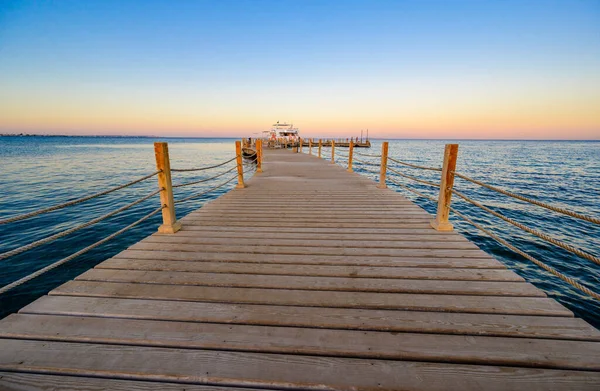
x: 238, y: 137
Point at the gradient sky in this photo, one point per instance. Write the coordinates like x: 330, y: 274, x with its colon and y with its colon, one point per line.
x: 403, y: 69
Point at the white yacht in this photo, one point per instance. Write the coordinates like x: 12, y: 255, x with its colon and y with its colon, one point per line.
x: 283, y: 133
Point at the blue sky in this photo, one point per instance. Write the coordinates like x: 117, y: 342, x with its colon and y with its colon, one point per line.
x: 402, y: 68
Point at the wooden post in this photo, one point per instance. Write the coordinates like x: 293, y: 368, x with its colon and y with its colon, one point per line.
x: 310, y: 146
x: 332, y: 152
x: 240, y: 167
x: 441, y: 222
x: 259, y: 156
x: 299, y: 145
x: 320, y: 146
x: 383, y: 170
x: 170, y: 224
x: 350, y: 153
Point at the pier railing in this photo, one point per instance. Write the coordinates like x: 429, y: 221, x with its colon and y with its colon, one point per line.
x: 391, y: 170
x: 168, y: 201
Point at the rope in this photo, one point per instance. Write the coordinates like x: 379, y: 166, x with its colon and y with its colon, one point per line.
x: 204, y: 180
x: 366, y: 163
x: 413, y: 178
x: 202, y: 168
x: 540, y: 235
x: 529, y: 257
x: 204, y: 192
x: 366, y: 154
x: 415, y: 165
x: 531, y: 201
x: 74, y: 202
x: 74, y: 229
x: 414, y: 191
x: 38, y: 273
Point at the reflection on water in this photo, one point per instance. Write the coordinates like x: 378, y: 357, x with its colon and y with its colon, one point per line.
x: 43, y: 171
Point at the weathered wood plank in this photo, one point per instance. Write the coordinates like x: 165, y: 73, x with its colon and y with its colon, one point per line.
x: 275, y: 370
x: 343, y: 214
x: 406, y: 261
x: 301, y: 230
x: 311, y: 283
x: 312, y: 250
x: 366, y: 300
x: 314, y: 317
x: 314, y: 270
x: 14, y: 381
x: 414, y: 244
x: 251, y: 225
x: 524, y: 352
x: 258, y: 236
x: 221, y: 218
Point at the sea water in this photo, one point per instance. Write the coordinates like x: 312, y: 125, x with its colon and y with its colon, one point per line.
x: 38, y: 172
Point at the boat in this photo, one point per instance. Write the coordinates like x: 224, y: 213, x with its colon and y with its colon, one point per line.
x: 283, y: 135
x: 249, y: 149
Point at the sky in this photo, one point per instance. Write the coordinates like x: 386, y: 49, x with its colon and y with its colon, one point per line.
x: 403, y: 69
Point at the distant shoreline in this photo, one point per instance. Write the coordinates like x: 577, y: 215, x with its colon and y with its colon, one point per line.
x: 25, y: 135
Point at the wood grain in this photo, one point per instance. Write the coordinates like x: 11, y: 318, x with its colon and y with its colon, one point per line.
x: 276, y: 370
x: 315, y: 317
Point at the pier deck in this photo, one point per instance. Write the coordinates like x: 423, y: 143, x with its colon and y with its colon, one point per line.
x: 309, y: 278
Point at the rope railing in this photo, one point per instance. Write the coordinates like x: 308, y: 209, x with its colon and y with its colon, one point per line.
x: 203, y: 168
x: 413, y: 178
x: 539, y: 263
x: 580, y: 216
x: 54, y: 265
x: 415, y: 165
x: 66, y: 232
x: 205, y: 192
x: 170, y: 225
x: 206, y: 179
x: 448, y: 173
x: 75, y: 202
x: 532, y: 231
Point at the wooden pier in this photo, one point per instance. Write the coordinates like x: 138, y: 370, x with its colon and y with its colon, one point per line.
x: 253, y: 292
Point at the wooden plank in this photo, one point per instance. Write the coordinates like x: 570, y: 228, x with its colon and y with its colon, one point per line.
x: 307, y: 207
x: 275, y: 370
x: 477, y: 263
x: 243, y: 233
x: 314, y: 270
x: 316, y: 224
x: 346, y: 213
x: 367, y: 300
x: 314, y: 250
x: 297, y: 242
x: 301, y: 230
x: 224, y: 218
x: 14, y: 381
x: 331, y: 318
x: 342, y: 284
x: 524, y: 352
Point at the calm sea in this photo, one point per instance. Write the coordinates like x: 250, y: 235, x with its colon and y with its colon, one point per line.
x: 42, y: 171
